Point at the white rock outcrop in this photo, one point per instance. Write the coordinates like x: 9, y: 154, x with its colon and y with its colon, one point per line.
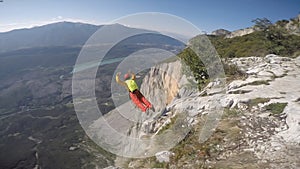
x: 272, y: 77
x: 240, y: 32
x: 163, y: 156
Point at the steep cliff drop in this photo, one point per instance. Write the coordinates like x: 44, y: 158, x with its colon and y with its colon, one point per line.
x: 127, y: 132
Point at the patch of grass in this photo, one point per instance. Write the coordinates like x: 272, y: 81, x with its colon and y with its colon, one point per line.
x: 239, y: 91
x: 234, y: 133
x: 276, y: 108
x: 189, y: 150
x: 160, y: 165
x: 260, y: 82
x: 168, y: 126
x: 231, y: 113
x: 233, y: 72
x: 230, y: 127
x: 256, y: 101
x: 184, y: 147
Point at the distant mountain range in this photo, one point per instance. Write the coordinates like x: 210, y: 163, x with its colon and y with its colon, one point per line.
x: 57, y: 34
x: 59, y: 44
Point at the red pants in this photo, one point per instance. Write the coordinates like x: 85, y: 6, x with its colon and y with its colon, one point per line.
x: 139, y: 100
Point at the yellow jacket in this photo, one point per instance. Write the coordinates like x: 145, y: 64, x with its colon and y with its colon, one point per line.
x: 130, y: 84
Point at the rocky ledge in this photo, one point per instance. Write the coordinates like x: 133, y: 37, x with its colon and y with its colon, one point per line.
x: 258, y: 127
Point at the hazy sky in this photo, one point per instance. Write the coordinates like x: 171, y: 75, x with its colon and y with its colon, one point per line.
x: 206, y: 15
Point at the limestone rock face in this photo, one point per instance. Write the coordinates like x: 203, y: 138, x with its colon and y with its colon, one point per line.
x: 220, y: 32
x: 271, y: 139
x: 162, y: 84
x: 240, y: 32
x: 293, y: 25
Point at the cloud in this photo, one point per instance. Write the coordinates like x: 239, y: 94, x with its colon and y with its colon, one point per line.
x: 58, y: 18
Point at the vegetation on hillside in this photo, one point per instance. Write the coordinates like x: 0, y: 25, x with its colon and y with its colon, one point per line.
x: 276, y: 108
x: 231, y: 133
x: 196, y: 66
x: 268, y: 38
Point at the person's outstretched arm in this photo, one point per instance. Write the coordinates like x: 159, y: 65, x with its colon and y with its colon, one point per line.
x: 120, y: 81
x: 132, y: 75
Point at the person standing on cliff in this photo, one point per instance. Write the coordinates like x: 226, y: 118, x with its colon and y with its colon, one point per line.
x: 136, y: 96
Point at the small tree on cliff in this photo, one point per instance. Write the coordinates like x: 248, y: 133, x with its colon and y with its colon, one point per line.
x: 262, y: 24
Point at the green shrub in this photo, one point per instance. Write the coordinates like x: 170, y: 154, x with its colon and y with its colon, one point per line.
x: 195, y: 66
x: 275, y: 39
x: 256, y: 101
x: 233, y: 72
x: 276, y: 108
